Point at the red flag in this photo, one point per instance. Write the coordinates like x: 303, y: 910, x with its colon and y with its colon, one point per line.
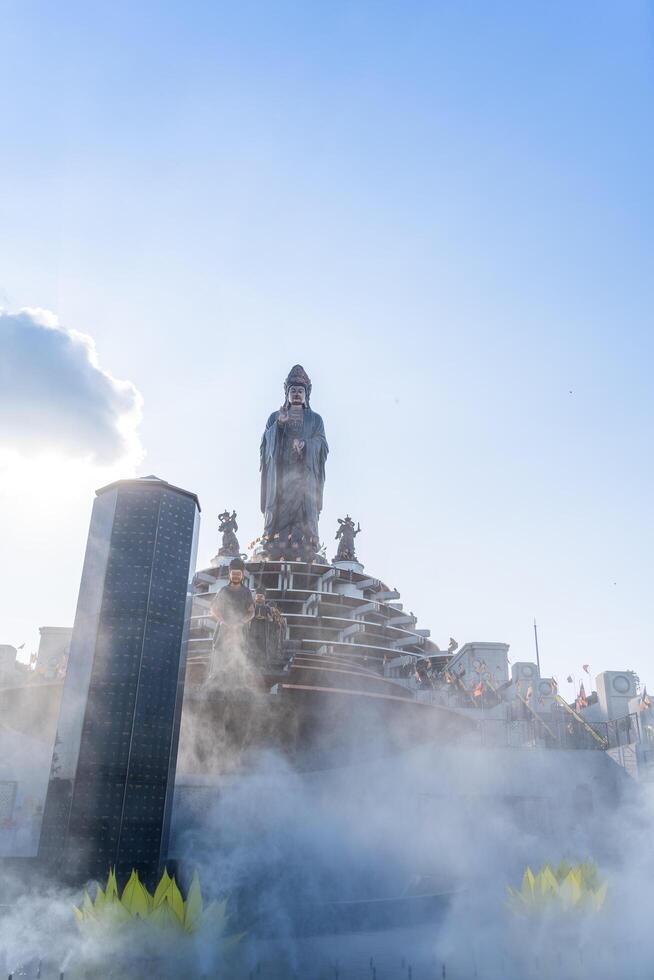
x: 582, y: 700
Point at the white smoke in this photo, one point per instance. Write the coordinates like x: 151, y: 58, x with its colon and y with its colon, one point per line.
x: 293, y: 848
x: 434, y: 834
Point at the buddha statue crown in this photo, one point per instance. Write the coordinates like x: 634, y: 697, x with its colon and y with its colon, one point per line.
x: 298, y: 376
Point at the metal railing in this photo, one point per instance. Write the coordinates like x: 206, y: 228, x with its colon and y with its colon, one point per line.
x: 557, y: 732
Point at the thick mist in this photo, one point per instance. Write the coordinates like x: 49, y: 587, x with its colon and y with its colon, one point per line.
x: 395, y: 866
x: 445, y: 828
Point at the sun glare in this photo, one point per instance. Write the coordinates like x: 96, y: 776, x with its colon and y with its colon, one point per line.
x: 21, y: 476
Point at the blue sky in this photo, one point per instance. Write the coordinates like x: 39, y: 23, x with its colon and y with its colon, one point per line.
x: 443, y: 210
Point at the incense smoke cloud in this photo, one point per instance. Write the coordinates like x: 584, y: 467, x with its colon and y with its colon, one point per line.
x: 209, y: 747
x: 285, y: 845
x: 55, y: 395
x: 432, y: 820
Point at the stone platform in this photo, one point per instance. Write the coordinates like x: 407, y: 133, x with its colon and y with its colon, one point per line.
x: 330, y: 702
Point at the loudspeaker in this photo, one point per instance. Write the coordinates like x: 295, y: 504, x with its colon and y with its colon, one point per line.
x: 624, y: 684
x: 615, y: 688
x: 524, y: 672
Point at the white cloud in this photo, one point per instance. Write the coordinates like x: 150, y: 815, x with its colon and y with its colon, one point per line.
x: 55, y: 397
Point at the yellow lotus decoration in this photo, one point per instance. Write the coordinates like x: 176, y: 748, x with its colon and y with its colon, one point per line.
x: 165, y: 909
x: 565, y: 888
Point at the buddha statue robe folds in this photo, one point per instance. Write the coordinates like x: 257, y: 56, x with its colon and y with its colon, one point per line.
x: 293, y: 454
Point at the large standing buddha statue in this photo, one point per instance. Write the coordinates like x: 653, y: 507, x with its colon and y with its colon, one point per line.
x: 293, y: 454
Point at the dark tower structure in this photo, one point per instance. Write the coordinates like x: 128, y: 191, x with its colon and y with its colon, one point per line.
x: 111, y: 783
